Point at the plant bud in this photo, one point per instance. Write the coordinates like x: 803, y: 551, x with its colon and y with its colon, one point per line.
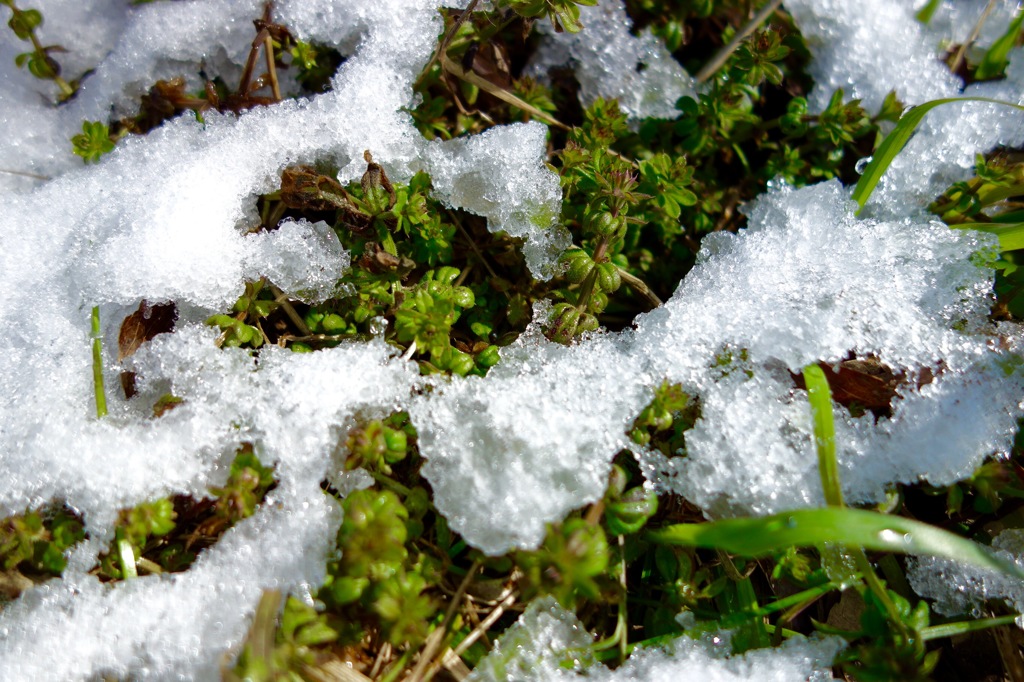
x: 608, y: 277
x: 587, y: 323
x: 488, y: 357
x: 378, y: 193
x: 601, y: 224
x: 580, y: 265
x: 463, y: 297
x: 629, y: 514
x: 598, y: 302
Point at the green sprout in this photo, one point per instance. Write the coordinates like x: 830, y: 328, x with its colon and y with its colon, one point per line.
x: 38, y: 60
x: 93, y: 142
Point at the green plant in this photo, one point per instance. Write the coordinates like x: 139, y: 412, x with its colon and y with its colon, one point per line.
x: 23, y: 23
x: 36, y: 542
x: 277, y: 648
x: 564, y: 14
x: 93, y: 142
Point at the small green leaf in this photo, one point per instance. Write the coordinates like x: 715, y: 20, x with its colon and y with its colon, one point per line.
x: 924, y: 15
x: 93, y: 142
x: 993, y: 64
x: 23, y: 22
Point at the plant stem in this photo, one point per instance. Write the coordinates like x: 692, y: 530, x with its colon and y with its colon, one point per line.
x: 959, y: 58
x: 963, y: 627
x: 97, y: 365
x: 722, y: 55
x: 640, y: 287
x: 126, y: 556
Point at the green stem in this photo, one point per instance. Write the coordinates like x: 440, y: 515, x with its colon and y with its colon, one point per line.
x: 97, y: 365
x: 387, y: 482
x: 125, y: 556
x: 963, y: 627
x: 587, y: 288
x: 66, y: 90
x: 820, y: 397
x: 877, y: 588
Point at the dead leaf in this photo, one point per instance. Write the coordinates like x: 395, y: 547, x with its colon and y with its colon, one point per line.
x: 139, y: 327
x: 490, y: 61
x: 867, y: 384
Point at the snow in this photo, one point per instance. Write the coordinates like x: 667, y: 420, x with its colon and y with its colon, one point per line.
x: 543, y: 642
x: 809, y: 282
x: 872, y: 48
x: 165, y: 218
x: 611, y: 63
x: 547, y: 422
x: 957, y: 589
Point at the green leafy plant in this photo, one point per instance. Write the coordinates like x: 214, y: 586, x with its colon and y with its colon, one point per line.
x: 93, y: 142
x: 564, y: 14
x: 277, y: 648
x: 36, y: 542
x: 23, y: 23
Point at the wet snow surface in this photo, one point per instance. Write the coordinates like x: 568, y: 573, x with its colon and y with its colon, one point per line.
x: 163, y: 218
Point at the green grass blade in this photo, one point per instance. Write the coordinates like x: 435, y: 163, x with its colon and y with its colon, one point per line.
x: 895, y: 141
x: 1011, y: 235
x: 97, y: 365
x: 924, y: 15
x: 820, y: 396
x: 997, y: 57
x: 755, y: 537
x: 964, y: 627
x: 126, y: 558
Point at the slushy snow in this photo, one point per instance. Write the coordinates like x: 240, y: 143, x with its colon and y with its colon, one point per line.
x: 957, y: 590
x: 548, y: 643
x: 165, y: 218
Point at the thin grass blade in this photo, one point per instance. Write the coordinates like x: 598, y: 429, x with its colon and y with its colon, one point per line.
x: 895, y: 141
x: 820, y: 396
x: 97, y: 365
x: 924, y: 15
x: 998, y: 56
x: 754, y: 537
x: 966, y: 627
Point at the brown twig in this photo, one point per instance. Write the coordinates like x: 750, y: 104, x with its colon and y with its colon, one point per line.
x: 501, y: 93
x: 268, y: 51
x: 640, y: 287
x: 426, y: 667
x: 26, y: 174
x: 485, y: 625
x: 282, y: 298
x: 443, y: 47
x: 975, y: 32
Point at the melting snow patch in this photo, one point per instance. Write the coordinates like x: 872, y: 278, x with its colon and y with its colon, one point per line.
x: 612, y: 63
x: 165, y: 218
x: 531, y: 442
x: 548, y: 641
x: 959, y: 589
x: 809, y: 282
x: 872, y: 48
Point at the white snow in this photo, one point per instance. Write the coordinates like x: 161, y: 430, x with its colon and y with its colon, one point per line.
x: 165, y: 217
x: 546, y: 423
x: 548, y: 643
x: 957, y: 589
x: 611, y: 63
x: 871, y: 48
